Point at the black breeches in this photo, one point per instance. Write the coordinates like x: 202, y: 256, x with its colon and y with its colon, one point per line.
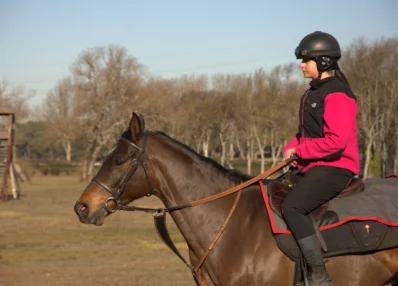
x: 318, y: 185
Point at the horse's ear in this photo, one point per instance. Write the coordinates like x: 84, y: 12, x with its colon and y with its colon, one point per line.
x: 137, y: 126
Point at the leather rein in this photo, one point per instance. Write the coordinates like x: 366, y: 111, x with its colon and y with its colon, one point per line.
x: 159, y: 214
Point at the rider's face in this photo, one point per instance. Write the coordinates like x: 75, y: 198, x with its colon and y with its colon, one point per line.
x: 309, y: 68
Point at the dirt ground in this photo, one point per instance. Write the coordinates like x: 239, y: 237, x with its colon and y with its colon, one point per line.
x: 43, y: 243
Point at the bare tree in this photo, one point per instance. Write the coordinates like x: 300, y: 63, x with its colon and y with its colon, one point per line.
x: 252, y: 115
x: 371, y: 69
x: 15, y: 99
x: 60, y: 112
x: 107, y: 80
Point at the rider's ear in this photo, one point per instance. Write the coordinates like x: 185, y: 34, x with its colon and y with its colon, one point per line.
x: 137, y: 126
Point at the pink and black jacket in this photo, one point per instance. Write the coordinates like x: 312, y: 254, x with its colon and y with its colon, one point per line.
x: 327, y: 133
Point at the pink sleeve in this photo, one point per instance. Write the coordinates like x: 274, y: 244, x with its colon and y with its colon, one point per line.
x: 339, y: 120
x: 292, y: 143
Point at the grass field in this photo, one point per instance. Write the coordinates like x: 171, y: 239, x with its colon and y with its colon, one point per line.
x: 43, y: 243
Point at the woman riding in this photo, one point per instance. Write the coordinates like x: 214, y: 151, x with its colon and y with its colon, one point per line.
x: 325, y: 144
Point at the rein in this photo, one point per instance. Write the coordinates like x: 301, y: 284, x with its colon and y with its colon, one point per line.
x: 243, y: 185
x: 159, y: 214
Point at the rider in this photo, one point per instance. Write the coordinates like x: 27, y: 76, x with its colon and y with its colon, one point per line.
x: 325, y: 144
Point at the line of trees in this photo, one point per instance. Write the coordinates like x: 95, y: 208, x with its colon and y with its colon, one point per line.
x: 227, y: 116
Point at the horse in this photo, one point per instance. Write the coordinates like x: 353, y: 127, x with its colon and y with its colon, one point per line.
x: 145, y: 163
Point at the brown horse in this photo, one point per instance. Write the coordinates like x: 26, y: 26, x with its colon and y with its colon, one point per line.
x: 144, y: 163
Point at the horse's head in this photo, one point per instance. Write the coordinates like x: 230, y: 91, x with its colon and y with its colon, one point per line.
x: 122, y: 178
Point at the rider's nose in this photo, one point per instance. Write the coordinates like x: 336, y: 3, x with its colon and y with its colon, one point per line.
x: 81, y: 209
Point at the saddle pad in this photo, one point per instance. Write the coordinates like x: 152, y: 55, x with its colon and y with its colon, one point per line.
x: 368, y: 222
x: 378, y: 202
x: 351, y: 238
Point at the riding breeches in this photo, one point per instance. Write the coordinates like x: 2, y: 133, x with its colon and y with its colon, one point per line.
x: 318, y: 185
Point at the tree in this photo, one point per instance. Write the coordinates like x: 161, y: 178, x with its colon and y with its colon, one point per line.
x: 371, y: 69
x: 107, y: 80
x: 15, y: 99
x: 60, y: 112
x: 31, y: 141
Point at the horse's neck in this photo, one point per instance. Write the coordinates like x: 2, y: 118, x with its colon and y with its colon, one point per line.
x: 184, y: 177
x: 185, y: 180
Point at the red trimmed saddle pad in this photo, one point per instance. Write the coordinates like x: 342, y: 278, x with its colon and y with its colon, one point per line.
x: 363, y: 219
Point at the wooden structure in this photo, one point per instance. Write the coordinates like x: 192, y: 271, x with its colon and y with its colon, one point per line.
x: 7, y: 171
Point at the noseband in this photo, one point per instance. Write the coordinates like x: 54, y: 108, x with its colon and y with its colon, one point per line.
x: 115, y: 195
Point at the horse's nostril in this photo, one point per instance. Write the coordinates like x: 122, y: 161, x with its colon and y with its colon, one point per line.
x: 81, y: 209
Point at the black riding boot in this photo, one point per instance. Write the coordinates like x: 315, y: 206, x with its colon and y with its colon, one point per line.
x: 317, y: 274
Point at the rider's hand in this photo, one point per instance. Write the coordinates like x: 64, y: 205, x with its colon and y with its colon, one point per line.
x: 289, y: 153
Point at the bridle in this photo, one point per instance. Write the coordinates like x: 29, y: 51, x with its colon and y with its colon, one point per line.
x: 159, y: 214
x: 115, y: 195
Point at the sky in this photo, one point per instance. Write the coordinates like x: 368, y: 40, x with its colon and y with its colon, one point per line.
x: 40, y: 39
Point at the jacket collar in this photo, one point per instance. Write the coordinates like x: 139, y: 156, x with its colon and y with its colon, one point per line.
x: 316, y: 83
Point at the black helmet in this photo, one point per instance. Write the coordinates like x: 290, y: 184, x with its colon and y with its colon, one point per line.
x: 318, y: 44
x: 322, y: 47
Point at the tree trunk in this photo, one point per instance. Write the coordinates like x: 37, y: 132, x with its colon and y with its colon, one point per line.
x: 260, y: 149
x: 230, y: 154
x: 86, y: 173
x: 249, y: 156
x: 198, y: 141
x: 206, y: 143
x: 94, y: 155
x: 276, y: 148
x: 14, y: 186
x: 384, y: 158
x: 223, y: 149
x: 276, y: 151
x: 20, y: 174
x: 241, y: 151
x: 67, y: 145
x: 367, y: 159
x: 87, y: 155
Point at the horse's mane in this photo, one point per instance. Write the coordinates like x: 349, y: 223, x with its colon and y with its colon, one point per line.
x: 231, y: 173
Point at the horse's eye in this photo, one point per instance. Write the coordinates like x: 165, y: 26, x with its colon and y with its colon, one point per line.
x: 119, y: 161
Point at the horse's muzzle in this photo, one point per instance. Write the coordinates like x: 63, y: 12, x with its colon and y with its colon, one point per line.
x: 82, y: 210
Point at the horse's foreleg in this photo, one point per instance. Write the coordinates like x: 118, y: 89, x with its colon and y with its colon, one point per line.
x: 389, y: 258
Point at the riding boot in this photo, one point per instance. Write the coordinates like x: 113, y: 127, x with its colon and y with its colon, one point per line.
x: 317, y: 274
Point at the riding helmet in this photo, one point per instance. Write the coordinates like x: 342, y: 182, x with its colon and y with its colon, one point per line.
x: 320, y: 46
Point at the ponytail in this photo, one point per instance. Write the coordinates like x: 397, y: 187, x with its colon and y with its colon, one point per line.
x: 340, y: 75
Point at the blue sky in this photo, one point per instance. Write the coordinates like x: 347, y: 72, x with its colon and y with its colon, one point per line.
x: 40, y: 39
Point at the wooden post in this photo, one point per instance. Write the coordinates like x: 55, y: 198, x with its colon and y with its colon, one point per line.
x: 14, y: 186
x: 6, y: 152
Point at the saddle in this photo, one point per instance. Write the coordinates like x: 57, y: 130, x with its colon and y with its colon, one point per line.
x: 279, y: 189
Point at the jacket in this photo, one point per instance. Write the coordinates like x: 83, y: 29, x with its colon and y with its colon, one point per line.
x: 327, y: 134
